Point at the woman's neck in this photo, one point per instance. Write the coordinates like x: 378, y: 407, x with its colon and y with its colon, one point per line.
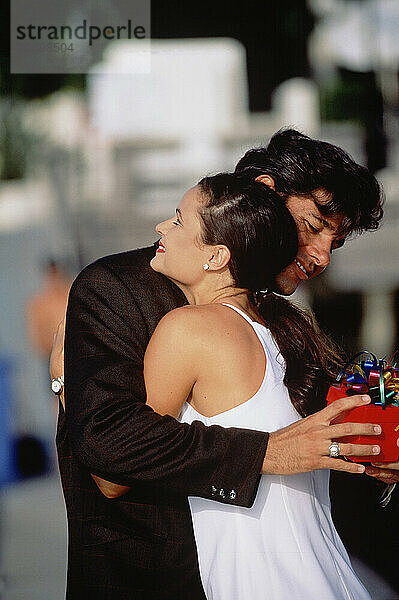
x: 208, y: 295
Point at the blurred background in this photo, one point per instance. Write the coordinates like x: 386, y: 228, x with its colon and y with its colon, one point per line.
x: 89, y: 163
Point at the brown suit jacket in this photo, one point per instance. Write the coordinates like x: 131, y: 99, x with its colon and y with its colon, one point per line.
x: 141, y: 545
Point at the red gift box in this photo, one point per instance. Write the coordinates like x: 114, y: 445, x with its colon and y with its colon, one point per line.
x: 387, y: 417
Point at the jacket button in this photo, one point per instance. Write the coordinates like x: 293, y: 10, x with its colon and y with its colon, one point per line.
x: 213, y: 491
x: 222, y: 493
x: 233, y: 494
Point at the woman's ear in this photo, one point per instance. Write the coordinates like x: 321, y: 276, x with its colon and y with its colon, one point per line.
x: 267, y: 180
x: 220, y: 258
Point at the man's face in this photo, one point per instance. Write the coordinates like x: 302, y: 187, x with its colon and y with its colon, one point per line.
x: 317, y: 237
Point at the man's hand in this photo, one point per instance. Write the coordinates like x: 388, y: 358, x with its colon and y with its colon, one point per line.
x: 304, y: 445
x: 57, y: 356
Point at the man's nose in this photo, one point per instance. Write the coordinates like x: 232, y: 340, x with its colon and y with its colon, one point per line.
x: 321, y: 253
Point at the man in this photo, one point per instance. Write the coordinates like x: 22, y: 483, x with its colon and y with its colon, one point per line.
x: 142, y: 545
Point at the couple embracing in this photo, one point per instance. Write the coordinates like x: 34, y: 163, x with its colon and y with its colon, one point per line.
x: 194, y: 448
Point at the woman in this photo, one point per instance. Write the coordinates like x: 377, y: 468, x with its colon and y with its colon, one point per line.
x: 239, y: 357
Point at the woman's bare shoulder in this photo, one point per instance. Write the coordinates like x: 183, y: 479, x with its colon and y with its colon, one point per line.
x: 185, y: 316
x: 206, y: 323
x: 182, y: 329
x: 198, y: 315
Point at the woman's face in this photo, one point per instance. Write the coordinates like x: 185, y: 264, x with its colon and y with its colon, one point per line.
x: 180, y: 256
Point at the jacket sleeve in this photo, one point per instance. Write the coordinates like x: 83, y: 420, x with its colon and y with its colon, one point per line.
x: 111, y: 430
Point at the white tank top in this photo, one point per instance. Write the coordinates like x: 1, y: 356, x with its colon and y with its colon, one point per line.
x: 285, y: 546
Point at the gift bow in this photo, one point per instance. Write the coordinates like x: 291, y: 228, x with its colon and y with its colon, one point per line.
x: 378, y: 379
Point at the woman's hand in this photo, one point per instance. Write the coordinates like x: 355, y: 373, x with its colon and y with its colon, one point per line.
x: 109, y: 489
x: 385, y: 472
x: 57, y: 352
x: 57, y: 356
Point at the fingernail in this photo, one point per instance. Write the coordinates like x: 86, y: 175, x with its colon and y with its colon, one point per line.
x: 376, y: 449
x: 377, y: 428
x: 361, y: 469
x: 365, y: 398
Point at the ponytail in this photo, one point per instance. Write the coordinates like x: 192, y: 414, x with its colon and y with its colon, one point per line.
x: 312, y: 360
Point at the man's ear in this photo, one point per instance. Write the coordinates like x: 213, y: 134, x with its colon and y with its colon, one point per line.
x: 220, y: 258
x: 267, y: 180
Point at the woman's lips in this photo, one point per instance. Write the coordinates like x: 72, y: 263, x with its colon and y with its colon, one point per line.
x: 161, y: 248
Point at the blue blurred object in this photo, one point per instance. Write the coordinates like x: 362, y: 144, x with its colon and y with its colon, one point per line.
x: 8, y: 471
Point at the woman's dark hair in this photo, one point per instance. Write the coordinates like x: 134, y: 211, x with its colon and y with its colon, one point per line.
x: 312, y: 359
x: 301, y: 165
x: 254, y: 223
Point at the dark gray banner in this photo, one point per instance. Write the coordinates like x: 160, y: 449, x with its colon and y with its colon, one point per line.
x: 55, y: 36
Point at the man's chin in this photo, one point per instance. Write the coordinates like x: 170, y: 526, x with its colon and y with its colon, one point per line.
x: 284, y: 286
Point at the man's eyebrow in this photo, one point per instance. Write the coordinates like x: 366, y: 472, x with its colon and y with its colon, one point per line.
x: 178, y: 212
x: 323, y: 221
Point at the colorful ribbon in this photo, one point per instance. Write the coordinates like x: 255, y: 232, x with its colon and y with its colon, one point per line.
x: 377, y: 378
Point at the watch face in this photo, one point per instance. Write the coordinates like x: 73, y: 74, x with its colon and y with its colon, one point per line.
x: 56, y: 386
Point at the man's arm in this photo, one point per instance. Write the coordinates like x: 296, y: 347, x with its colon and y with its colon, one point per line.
x: 118, y: 438
x: 170, y: 372
x: 113, y: 433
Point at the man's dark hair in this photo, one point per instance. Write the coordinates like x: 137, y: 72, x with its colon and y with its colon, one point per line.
x: 300, y: 165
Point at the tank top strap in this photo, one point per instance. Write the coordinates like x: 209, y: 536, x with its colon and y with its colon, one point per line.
x: 240, y: 312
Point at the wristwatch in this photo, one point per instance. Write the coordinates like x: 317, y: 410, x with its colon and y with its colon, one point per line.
x: 57, y: 385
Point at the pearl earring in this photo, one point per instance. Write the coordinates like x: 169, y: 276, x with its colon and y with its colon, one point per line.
x: 205, y: 266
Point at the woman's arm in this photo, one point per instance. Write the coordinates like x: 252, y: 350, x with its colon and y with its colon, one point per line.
x: 171, y: 361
